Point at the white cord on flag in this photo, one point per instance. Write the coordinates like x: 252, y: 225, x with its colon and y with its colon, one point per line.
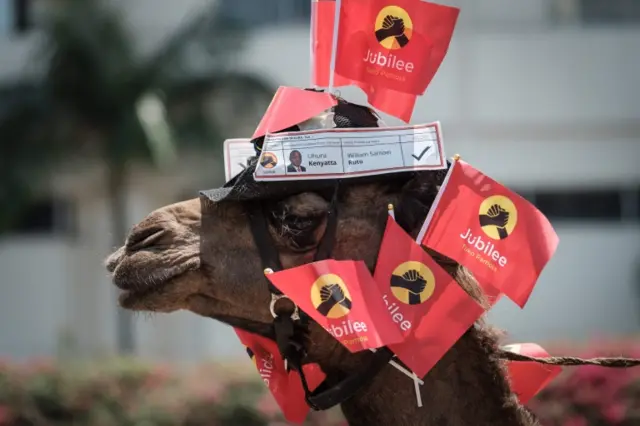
x: 417, y: 382
x: 334, y: 44
x: 403, y: 370
x: 416, y: 385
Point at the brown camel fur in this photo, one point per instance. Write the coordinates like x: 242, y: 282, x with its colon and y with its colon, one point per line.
x: 199, y: 255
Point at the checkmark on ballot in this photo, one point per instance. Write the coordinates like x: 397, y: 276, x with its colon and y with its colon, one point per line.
x: 424, y: 151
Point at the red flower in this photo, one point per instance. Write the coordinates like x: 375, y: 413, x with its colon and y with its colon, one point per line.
x: 5, y: 415
x: 615, y: 413
x: 268, y: 405
x: 576, y: 421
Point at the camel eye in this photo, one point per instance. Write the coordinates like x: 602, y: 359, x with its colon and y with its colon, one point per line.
x: 299, y: 231
x: 291, y: 223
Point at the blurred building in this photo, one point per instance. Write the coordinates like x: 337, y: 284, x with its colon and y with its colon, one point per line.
x: 543, y: 95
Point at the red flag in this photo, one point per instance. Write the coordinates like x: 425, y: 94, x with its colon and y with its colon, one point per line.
x: 430, y: 308
x: 342, y: 297
x: 529, y: 378
x: 396, y: 45
x: 322, y: 24
x: 392, y: 102
x: 428, y: 343
x: 498, y: 235
x: 290, y: 106
x: 409, y: 280
x: 397, y: 104
x: 286, y: 387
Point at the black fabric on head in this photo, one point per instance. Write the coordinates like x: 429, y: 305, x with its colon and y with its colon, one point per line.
x: 348, y: 115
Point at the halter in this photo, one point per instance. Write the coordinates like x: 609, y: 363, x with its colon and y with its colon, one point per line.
x: 291, y: 328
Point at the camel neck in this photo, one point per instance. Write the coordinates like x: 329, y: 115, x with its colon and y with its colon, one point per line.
x: 460, y: 390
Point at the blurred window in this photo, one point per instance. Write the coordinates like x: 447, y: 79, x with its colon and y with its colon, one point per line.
x: 580, y: 205
x: 6, y: 17
x: 46, y: 216
x: 610, y: 11
x: 612, y: 204
x: 15, y: 16
x: 257, y: 13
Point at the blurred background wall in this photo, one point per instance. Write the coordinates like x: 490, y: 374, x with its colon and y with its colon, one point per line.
x: 543, y: 95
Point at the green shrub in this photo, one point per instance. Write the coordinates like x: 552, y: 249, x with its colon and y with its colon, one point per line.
x: 127, y: 392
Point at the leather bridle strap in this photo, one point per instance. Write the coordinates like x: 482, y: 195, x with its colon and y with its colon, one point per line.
x: 266, y: 248
x: 325, y: 397
x: 329, y: 238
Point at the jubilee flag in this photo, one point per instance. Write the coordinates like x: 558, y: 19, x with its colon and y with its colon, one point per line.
x: 503, y: 239
x: 403, y: 65
x: 398, y: 45
x: 423, y: 300
x: 285, y: 386
x: 529, y: 378
x: 342, y: 297
x: 392, y: 102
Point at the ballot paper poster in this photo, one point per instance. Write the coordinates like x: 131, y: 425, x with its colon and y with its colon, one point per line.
x: 344, y: 153
x: 237, y: 153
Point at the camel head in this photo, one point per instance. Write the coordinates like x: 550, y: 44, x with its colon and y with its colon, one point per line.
x: 200, y: 254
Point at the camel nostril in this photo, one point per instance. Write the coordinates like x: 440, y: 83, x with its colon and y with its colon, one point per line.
x: 114, y: 259
x: 142, y: 238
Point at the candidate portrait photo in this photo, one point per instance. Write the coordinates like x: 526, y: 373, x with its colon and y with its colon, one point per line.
x: 295, y: 164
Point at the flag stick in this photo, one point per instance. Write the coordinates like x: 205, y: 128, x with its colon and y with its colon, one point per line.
x: 334, y: 44
x: 312, y: 27
x: 434, y: 205
x: 391, y: 212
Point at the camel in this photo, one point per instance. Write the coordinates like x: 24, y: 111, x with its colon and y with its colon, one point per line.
x: 200, y: 255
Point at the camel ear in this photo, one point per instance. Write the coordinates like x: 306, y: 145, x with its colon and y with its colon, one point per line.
x: 416, y: 197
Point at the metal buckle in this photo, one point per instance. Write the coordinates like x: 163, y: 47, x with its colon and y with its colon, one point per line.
x: 274, y: 298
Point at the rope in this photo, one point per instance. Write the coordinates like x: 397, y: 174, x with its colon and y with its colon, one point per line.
x: 610, y: 362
